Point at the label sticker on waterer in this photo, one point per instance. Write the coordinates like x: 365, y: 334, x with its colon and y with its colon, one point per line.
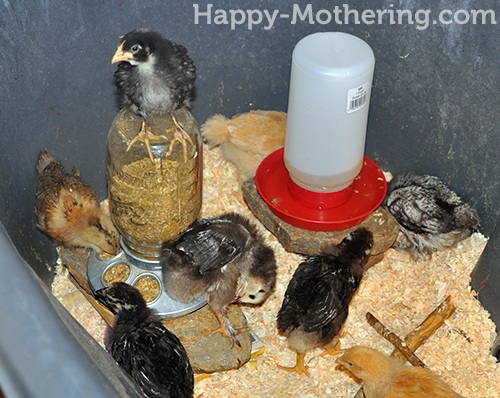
x: 357, y: 97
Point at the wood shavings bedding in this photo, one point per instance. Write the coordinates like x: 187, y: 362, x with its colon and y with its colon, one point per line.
x: 398, y: 291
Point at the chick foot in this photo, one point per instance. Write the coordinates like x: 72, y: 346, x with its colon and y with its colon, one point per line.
x: 145, y: 135
x: 333, y: 349
x: 179, y: 135
x: 300, y: 366
x: 227, y: 330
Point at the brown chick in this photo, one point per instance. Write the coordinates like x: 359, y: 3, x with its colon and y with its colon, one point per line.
x: 247, y: 138
x: 68, y: 209
x: 389, y: 377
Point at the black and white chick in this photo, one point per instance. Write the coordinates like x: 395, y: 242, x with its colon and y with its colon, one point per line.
x: 154, y: 75
x: 224, y: 257
x: 151, y: 354
x: 431, y: 216
x: 316, y: 302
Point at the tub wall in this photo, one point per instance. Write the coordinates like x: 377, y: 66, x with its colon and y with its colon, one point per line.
x: 433, y: 110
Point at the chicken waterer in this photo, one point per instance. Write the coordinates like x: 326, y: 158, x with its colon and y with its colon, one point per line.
x: 330, y: 87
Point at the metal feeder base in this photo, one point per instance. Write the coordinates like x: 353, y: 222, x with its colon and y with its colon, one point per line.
x: 165, y: 306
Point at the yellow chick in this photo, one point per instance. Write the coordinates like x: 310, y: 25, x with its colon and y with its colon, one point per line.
x: 389, y: 377
x: 247, y: 138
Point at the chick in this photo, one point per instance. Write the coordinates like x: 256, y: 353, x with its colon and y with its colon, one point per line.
x: 432, y: 217
x: 68, y: 210
x: 151, y: 354
x: 154, y: 75
x: 389, y: 377
x: 224, y: 257
x: 247, y: 138
x: 316, y: 301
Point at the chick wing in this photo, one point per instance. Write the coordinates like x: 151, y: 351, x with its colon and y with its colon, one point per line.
x: 209, y: 250
x: 419, y: 210
x: 313, y: 299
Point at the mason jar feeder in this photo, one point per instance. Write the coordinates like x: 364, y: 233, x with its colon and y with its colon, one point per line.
x: 153, y: 197
x: 153, y: 201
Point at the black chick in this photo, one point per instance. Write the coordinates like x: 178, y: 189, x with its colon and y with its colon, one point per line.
x: 431, y: 216
x: 154, y: 75
x: 152, y: 355
x: 316, y: 301
x: 224, y: 257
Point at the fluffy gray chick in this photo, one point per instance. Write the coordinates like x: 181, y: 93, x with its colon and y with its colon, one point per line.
x: 432, y: 217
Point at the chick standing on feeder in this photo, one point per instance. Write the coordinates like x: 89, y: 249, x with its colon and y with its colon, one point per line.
x: 68, y: 209
x: 151, y: 354
x: 224, y: 257
x: 389, y: 377
x: 247, y: 138
x: 316, y: 301
x: 154, y: 75
x: 432, y: 217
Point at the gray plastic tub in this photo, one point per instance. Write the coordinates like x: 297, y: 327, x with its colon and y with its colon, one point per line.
x: 434, y: 109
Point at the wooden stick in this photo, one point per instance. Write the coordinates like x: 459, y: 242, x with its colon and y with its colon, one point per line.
x: 428, y: 327
x: 422, y: 332
x: 360, y: 393
x: 394, y: 340
x: 75, y: 260
x: 106, y: 314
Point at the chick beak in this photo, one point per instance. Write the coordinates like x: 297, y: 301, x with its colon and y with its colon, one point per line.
x: 242, y: 285
x: 102, y: 298
x: 341, y: 360
x: 120, y: 55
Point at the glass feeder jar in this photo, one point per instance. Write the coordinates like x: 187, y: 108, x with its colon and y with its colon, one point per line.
x: 152, y: 202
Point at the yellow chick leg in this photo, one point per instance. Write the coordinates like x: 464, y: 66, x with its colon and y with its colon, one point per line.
x: 300, y: 366
x: 179, y: 135
x: 227, y: 330
x: 333, y: 348
x: 145, y: 135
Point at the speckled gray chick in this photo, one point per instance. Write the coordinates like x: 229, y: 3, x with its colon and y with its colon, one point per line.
x: 432, y: 217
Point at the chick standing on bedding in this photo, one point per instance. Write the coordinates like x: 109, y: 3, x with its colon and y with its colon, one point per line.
x: 224, y: 257
x: 247, y: 138
x: 389, y: 377
x: 68, y: 209
x: 316, y: 302
x: 152, y: 355
x: 431, y: 216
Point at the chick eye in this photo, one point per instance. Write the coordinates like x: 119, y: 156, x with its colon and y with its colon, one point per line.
x: 252, y: 296
x: 135, y: 48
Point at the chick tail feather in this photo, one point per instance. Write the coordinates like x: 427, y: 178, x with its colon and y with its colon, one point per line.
x: 215, y: 130
x: 44, y: 159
